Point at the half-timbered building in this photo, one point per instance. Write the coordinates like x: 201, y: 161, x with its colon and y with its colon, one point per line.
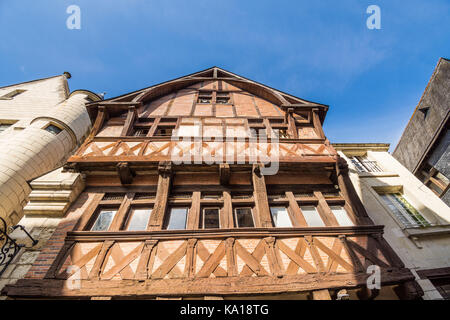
x: 212, y: 186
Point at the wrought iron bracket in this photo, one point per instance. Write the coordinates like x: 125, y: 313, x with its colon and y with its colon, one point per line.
x: 9, y: 248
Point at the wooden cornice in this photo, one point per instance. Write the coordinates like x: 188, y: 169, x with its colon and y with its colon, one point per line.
x: 223, y: 233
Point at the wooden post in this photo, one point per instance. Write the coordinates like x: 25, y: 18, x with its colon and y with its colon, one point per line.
x: 119, y: 218
x: 292, y: 128
x: 102, y: 115
x: 263, y: 218
x: 194, y: 213
x: 349, y: 193
x: 224, y: 173
x: 325, y: 212
x: 226, y: 217
x: 162, y: 195
x: 131, y: 116
x: 317, y: 124
x: 125, y: 174
x: 295, y: 211
x: 87, y: 216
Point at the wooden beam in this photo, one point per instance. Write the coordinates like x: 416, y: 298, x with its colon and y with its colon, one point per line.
x: 120, y: 216
x: 98, y: 124
x: 317, y: 124
x: 232, y: 286
x: 162, y: 194
x: 226, y: 216
x: 295, y: 212
x: 224, y: 173
x: 131, y: 116
x: 100, y: 260
x: 88, y: 213
x: 349, y: 193
x: 324, y: 211
x: 125, y: 173
x: 263, y: 218
x: 193, y: 221
x: 292, y: 127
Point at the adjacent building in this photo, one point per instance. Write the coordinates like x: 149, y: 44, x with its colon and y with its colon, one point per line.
x: 416, y: 220
x: 210, y: 186
x: 424, y: 148
x: 41, y: 124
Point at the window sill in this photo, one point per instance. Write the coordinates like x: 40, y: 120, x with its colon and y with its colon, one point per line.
x: 377, y: 174
x: 427, y: 231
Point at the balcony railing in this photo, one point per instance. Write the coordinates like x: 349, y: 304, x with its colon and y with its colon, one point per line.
x: 9, y: 248
x: 366, y: 166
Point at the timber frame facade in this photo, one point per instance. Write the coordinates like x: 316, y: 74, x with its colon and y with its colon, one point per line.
x: 147, y: 227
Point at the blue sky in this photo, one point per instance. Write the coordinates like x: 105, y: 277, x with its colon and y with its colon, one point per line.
x: 320, y: 51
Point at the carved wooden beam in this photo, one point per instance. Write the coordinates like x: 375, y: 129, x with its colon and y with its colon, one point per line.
x: 317, y: 124
x: 224, y: 173
x: 263, y: 218
x: 131, y: 116
x: 162, y: 195
x: 349, y: 192
x: 98, y: 124
x: 125, y: 173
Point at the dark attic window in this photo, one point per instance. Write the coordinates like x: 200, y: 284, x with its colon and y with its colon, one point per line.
x: 53, y: 129
x: 12, y: 94
x: 223, y: 98
x: 204, y: 97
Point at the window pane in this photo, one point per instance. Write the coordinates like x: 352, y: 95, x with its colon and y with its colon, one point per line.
x: 404, y: 211
x: 3, y: 127
x: 211, y: 218
x: 104, y: 220
x: 280, y: 217
x: 177, y: 219
x: 244, y: 218
x: 139, y: 219
x: 312, y: 217
x: 342, y: 216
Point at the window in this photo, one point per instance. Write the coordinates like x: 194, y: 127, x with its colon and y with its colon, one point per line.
x: 433, y: 179
x: 104, y: 219
x: 145, y: 196
x: 177, y: 219
x: 342, y: 216
x: 204, y: 97
x: 53, y: 129
x: 164, y: 131
x: 211, y: 218
x: 362, y: 164
x: 258, y: 131
x: 12, y: 94
x: 4, y: 126
x: 280, y: 217
x: 404, y: 211
x: 139, y: 219
x: 281, y: 133
x: 244, y: 218
x: 312, y: 217
x: 211, y: 196
x: 141, y: 132
x: 113, y: 196
x: 222, y: 98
